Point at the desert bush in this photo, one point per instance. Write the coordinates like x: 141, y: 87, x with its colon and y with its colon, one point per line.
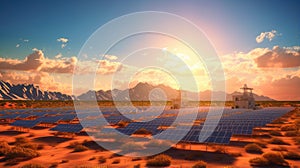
x: 275, y: 133
x: 64, y: 161
x: 159, y: 161
x: 297, y: 140
x: 31, y: 135
x: 28, y: 145
x: 54, y: 165
x: 275, y: 158
x: 235, y: 154
x: 4, y: 148
x: 74, y: 144
x: 21, y: 140
x: 291, y: 133
x: 92, y: 158
x: 116, y: 161
x: 142, y: 131
x: 80, y: 148
x: 291, y: 155
x: 258, y: 161
x: 101, y: 159
x: 32, y: 165
x: 131, y: 146
x: 261, y: 144
x: 136, y: 159
x: 278, y: 141
x: 21, y: 152
x: 279, y: 148
x: 220, y: 149
x: 200, y: 164
x: 253, y: 148
x: 290, y: 127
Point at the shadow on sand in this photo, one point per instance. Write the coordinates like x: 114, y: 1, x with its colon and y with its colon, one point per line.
x: 12, y: 132
x: 52, y: 140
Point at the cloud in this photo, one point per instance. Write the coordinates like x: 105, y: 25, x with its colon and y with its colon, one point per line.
x: 107, y: 67
x: 64, y: 41
x: 33, y: 61
x: 59, y: 55
x: 111, y: 57
x: 286, y: 88
x: 18, y: 45
x: 279, y: 58
x: 266, y: 35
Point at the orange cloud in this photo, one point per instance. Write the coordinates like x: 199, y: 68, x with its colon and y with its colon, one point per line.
x: 279, y: 58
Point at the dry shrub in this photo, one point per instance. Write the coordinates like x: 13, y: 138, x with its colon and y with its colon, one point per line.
x: 4, y: 148
x: 261, y: 144
x: 32, y: 165
x: 275, y: 158
x: 101, y: 159
x: 21, y: 140
x: 116, y: 161
x: 200, y: 164
x: 258, y: 161
x: 160, y: 161
x: 278, y: 141
x: 275, y: 133
x: 80, y: 148
x: 291, y: 133
x: 253, y: 148
x: 131, y: 147
x: 279, y: 148
x: 291, y: 155
x: 290, y: 127
x: 21, y: 152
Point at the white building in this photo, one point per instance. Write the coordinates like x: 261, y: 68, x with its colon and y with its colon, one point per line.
x: 245, y: 100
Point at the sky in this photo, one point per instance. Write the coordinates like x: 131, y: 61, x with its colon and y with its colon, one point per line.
x: 258, y: 43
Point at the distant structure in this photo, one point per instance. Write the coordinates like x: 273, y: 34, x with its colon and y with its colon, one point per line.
x: 176, y: 102
x: 245, y: 100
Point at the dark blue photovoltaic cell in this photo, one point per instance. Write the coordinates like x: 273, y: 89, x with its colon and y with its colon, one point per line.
x: 50, y: 120
x: 25, y: 123
x: 71, y: 128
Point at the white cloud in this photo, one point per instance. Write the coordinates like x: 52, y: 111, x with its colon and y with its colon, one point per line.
x: 35, y: 49
x: 59, y: 55
x: 18, y: 45
x: 26, y: 40
x: 63, y: 40
x: 266, y: 35
x: 111, y: 57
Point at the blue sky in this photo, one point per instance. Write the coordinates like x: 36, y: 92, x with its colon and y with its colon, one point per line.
x: 257, y: 41
x: 230, y: 25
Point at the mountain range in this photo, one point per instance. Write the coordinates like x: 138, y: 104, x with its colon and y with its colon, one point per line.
x: 28, y: 92
x: 140, y: 92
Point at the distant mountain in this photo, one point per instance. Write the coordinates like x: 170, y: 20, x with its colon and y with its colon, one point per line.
x: 146, y: 92
x: 28, y: 92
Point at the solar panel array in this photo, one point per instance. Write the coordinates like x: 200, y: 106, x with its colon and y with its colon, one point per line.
x: 219, y: 129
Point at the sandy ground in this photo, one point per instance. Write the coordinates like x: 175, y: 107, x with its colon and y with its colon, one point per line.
x: 56, y: 151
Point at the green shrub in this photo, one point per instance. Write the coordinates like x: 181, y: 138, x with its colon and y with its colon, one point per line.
x: 21, y: 152
x: 80, y: 148
x: 102, y: 159
x: 159, y: 161
x: 275, y: 158
x: 4, y: 148
x: 290, y: 127
x: 258, y: 161
x: 253, y: 148
x: 275, y: 133
x: 291, y: 133
x: 278, y: 141
x: 291, y: 155
x: 200, y: 164
x: 32, y: 165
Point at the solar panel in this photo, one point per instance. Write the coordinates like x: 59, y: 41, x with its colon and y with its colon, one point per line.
x: 25, y: 123
x: 70, y: 128
x: 50, y: 119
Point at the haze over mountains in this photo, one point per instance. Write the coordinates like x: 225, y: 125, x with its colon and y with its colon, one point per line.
x: 140, y: 92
